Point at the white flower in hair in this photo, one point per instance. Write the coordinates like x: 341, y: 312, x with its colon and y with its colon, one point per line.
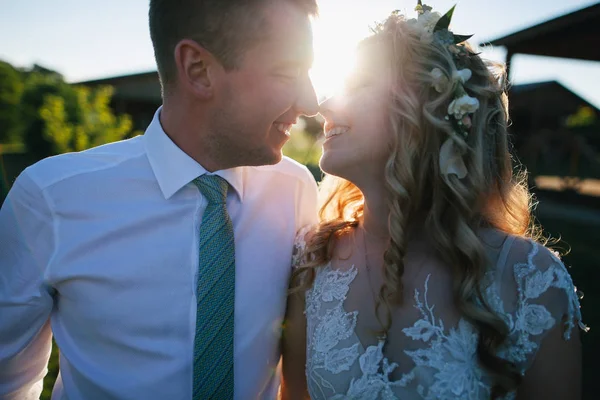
x: 463, y: 75
x: 427, y: 21
x: 462, y: 106
x: 433, y: 27
x: 425, y: 25
x: 440, y: 81
x: 451, y: 160
x: 426, y: 37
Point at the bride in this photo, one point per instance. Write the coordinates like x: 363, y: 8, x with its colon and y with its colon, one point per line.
x: 425, y: 278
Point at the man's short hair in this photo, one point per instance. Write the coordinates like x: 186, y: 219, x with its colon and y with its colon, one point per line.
x: 224, y: 27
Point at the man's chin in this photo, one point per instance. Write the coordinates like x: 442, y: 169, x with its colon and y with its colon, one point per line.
x: 271, y: 157
x: 277, y: 157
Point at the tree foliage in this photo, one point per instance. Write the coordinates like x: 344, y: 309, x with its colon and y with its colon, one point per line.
x: 38, y: 86
x: 584, y: 116
x: 11, y: 88
x: 94, y: 123
x: 303, y: 145
x: 50, y: 116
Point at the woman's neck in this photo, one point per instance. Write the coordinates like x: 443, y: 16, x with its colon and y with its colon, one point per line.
x: 376, y: 213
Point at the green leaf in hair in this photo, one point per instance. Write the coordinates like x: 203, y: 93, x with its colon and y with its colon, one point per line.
x: 461, y: 38
x: 444, y: 22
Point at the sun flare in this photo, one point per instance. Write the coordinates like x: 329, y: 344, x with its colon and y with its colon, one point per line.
x: 334, y: 45
x: 341, y: 25
x: 331, y: 67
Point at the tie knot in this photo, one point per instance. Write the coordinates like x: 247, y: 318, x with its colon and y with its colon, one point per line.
x: 213, y: 187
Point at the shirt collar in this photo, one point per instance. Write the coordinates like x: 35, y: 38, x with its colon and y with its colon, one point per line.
x: 174, y: 169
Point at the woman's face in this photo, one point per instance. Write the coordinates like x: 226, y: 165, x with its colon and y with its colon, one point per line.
x: 357, y: 138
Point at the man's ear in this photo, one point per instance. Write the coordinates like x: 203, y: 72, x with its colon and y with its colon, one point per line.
x: 196, y: 68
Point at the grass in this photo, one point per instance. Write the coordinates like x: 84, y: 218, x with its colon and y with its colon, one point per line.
x: 52, y: 373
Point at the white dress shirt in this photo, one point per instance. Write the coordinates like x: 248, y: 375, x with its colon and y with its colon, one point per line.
x: 102, y: 246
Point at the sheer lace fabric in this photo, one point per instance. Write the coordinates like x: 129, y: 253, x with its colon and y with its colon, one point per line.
x: 431, y: 349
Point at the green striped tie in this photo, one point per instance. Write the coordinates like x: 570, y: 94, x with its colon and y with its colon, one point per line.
x: 213, y: 345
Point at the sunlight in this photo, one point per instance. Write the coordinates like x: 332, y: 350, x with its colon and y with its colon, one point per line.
x: 331, y: 66
x: 338, y: 29
x: 334, y: 45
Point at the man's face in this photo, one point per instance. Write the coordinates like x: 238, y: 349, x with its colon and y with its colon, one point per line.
x: 257, y: 103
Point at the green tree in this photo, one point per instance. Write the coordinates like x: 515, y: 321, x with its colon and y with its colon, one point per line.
x: 584, y: 116
x: 11, y: 89
x: 304, y: 145
x: 38, y: 85
x: 60, y: 117
x: 96, y: 124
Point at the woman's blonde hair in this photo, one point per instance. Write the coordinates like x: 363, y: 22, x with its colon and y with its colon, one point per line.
x: 450, y: 210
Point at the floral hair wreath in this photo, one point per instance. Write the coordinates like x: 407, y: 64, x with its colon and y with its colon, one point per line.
x: 433, y: 27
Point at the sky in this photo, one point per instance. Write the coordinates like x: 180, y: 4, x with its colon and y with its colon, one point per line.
x: 93, y: 39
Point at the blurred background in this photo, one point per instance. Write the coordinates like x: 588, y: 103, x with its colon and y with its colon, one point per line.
x: 77, y: 74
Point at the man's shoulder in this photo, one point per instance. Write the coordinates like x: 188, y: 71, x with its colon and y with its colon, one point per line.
x: 289, y: 167
x: 54, y: 169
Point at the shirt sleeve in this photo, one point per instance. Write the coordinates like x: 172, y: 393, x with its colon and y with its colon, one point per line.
x: 26, y: 243
x: 307, y: 202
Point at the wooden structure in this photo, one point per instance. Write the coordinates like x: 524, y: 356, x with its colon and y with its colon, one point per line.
x: 544, y: 140
x: 574, y: 36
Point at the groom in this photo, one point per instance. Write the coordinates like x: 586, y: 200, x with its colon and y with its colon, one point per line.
x: 160, y: 263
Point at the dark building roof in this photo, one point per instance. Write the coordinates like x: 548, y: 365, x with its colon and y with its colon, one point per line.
x: 575, y: 35
x: 142, y: 86
x: 555, y: 98
x: 544, y: 105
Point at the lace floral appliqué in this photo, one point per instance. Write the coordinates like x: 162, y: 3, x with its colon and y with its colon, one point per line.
x: 445, y: 364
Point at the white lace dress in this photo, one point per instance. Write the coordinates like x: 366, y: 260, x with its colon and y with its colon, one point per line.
x: 431, y: 350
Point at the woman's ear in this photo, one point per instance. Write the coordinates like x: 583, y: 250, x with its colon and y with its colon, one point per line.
x: 195, y: 69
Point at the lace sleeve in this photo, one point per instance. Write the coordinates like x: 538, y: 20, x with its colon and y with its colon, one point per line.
x: 538, y: 294
x: 298, y: 253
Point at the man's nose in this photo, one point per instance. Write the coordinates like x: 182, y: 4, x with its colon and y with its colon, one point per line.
x: 307, y: 103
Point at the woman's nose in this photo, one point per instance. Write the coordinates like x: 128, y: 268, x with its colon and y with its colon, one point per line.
x: 326, y: 107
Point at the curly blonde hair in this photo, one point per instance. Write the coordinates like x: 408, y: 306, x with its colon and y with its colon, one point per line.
x: 450, y: 210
